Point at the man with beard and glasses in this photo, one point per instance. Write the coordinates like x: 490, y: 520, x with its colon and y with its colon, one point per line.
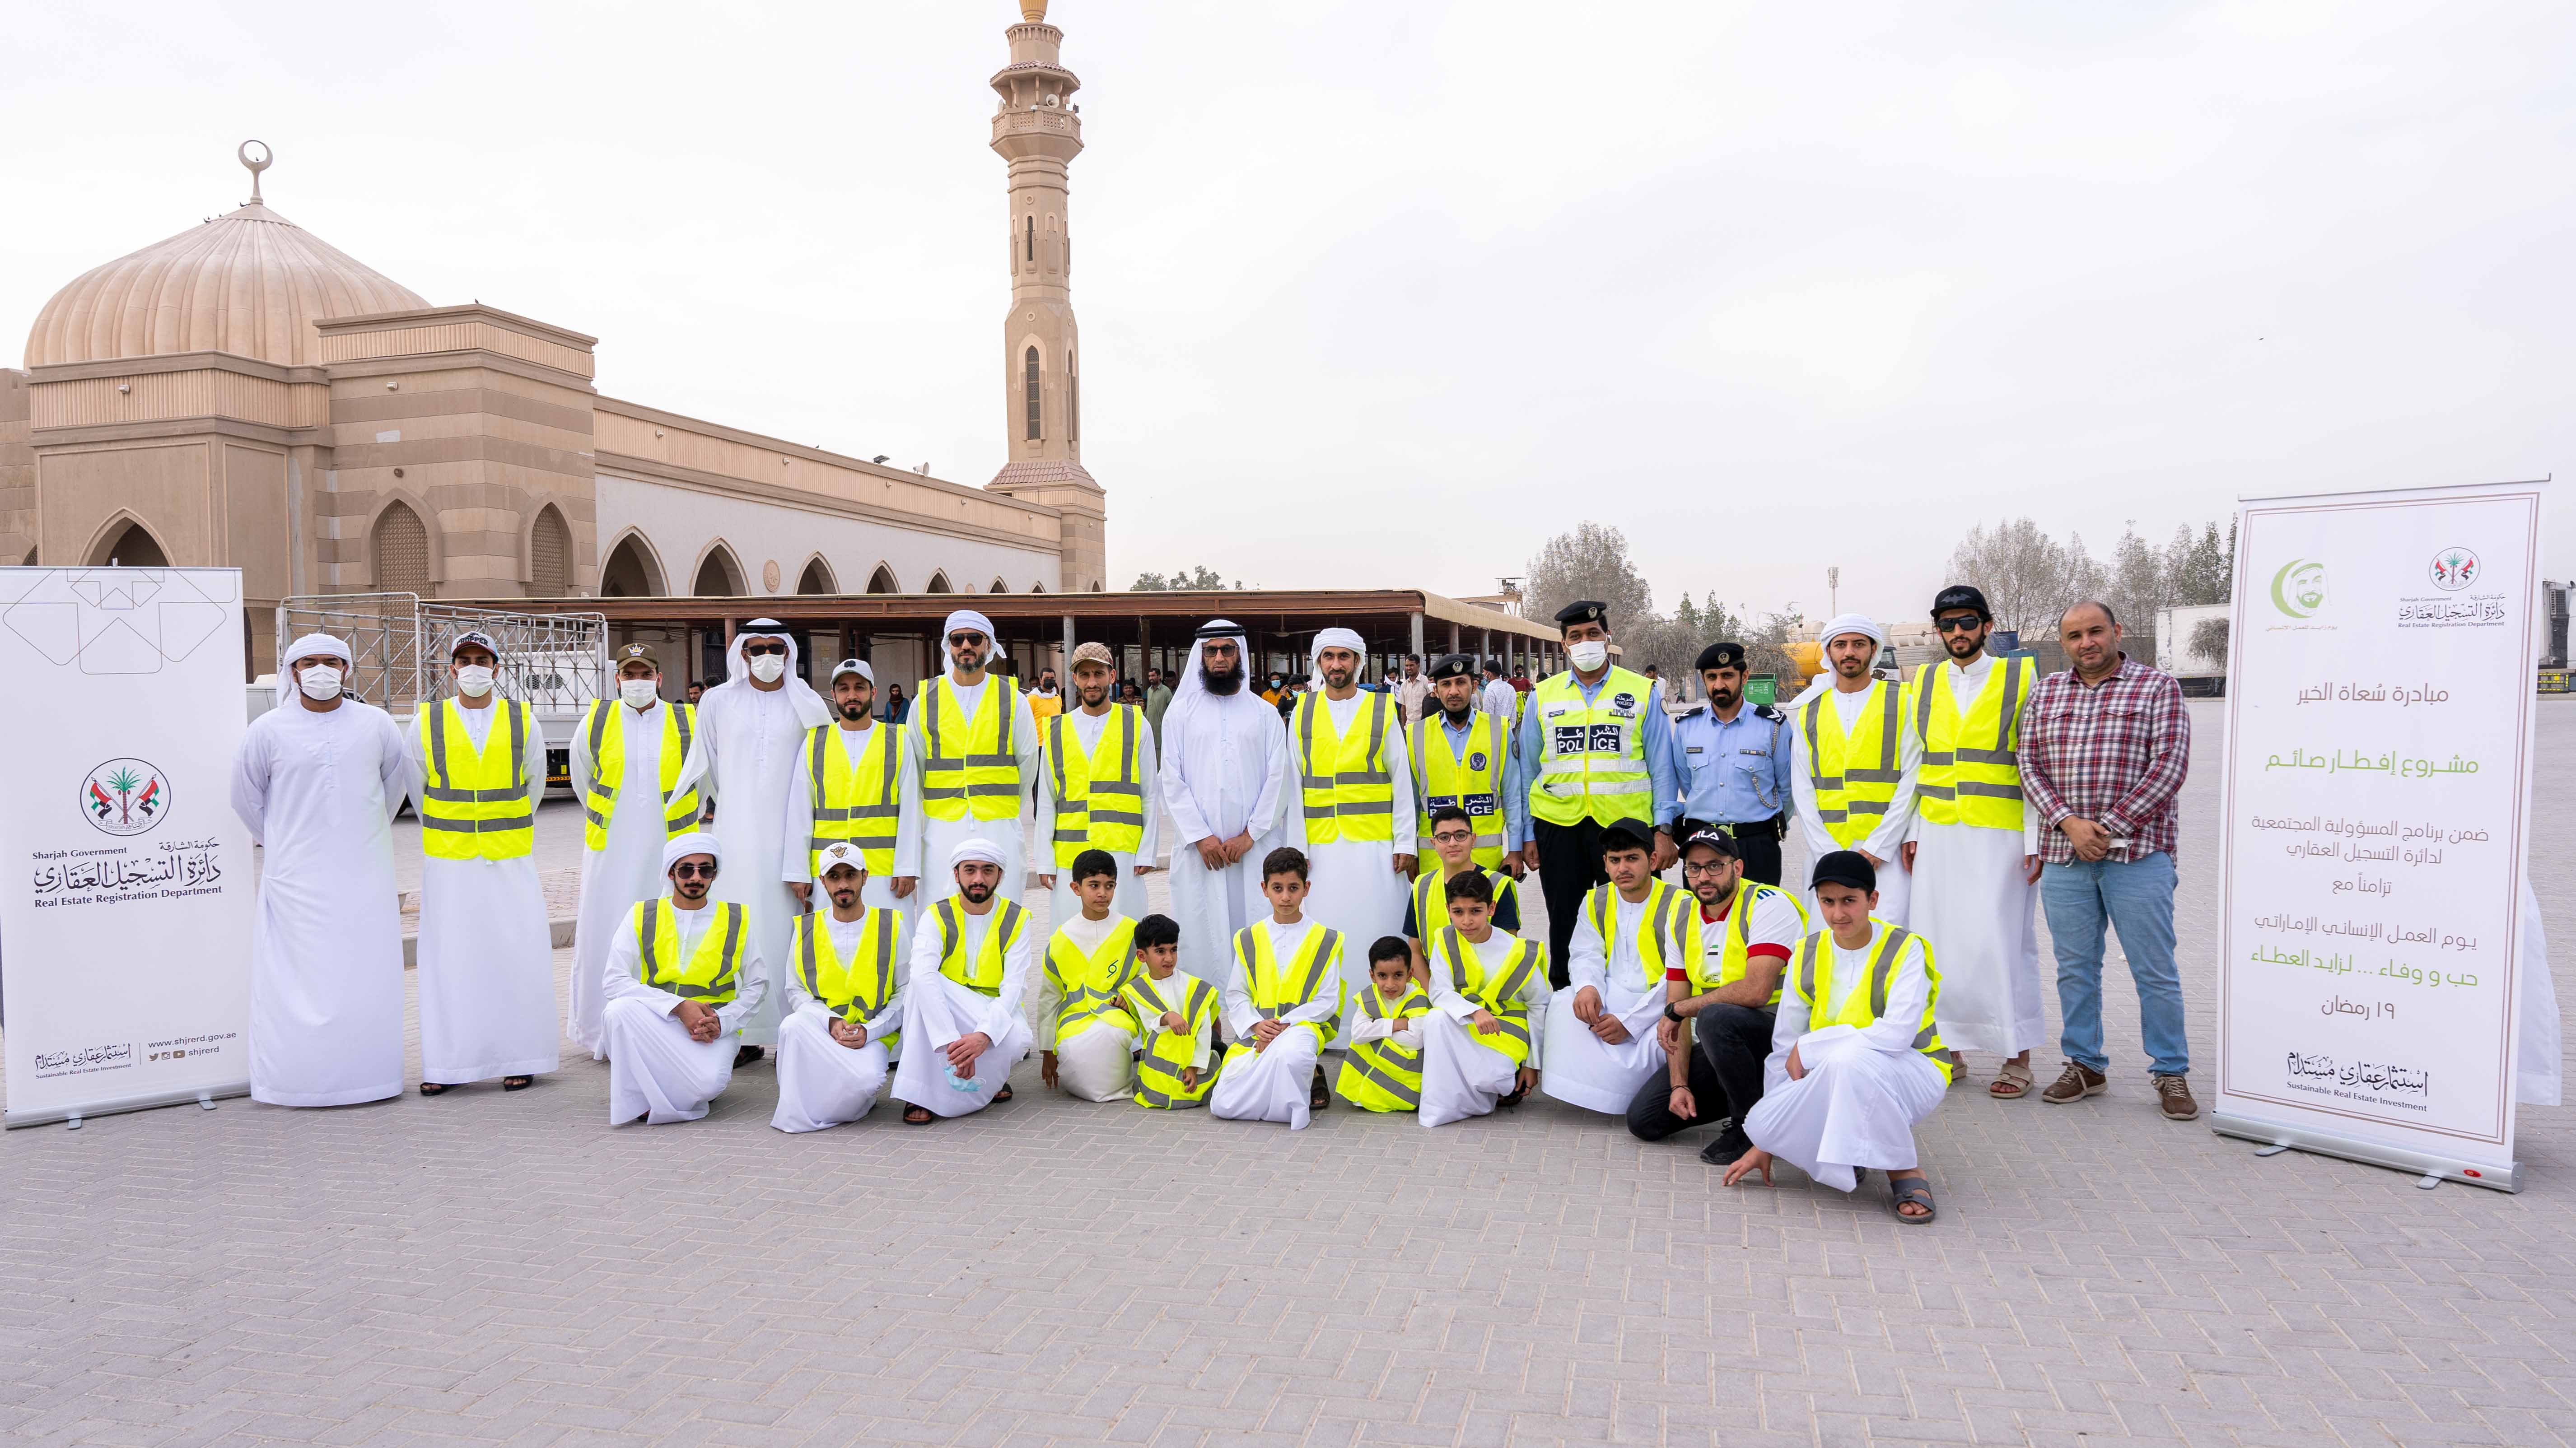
x: 682, y: 978
x: 963, y: 1029
x: 1355, y: 817
x: 856, y: 780
x: 978, y: 750
x: 1097, y: 789
x: 1225, y: 767
x: 1733, y: 764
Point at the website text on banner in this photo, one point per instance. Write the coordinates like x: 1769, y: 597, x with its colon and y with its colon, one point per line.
x: 2372, y: 931
x: 126, y: 919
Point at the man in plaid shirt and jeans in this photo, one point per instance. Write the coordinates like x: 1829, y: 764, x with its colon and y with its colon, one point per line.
x: 2104, y: 748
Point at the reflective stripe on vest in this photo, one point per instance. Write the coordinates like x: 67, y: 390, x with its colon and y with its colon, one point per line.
x: 1960, y: 783
x: 983, y: 775
x: 854, y: 802
x: 1735, y: 949
x: 679, y: 725
x: 1087, y: 986
x: 1431, y: 898
x: 474, y: 803
x: 1501, y: 996
x: 707, y: 976
x: 1663, y: 925
x: 983, y: 974
x: 1381, y: 1075
x: 1441, y: 777
x: 1851, y: 799
x: 857, y: 989
x: 1168, y: 1053
x: 1592, y: 757
x: 1349, y: 793
x: 1099, y: 796
x: 1863, y: 1011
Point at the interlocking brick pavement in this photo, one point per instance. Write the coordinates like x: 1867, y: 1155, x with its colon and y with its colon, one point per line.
x: 495, y: 1269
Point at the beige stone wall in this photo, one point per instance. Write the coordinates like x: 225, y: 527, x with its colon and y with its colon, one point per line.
x: 17, y: 470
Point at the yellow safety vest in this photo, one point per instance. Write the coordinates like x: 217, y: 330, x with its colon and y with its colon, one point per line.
x: 1592, y: 757
x: 707, y: 976
x: 1431, y: 898
x: 1350, y: 795
x: 1667, y: 929
x: 1852, y: 796
x: 983, y: 974
x: 1863, y: 1009
x: 1971, y: 770
x: 474, y: 803
x: 854, y: 801
x: 1088, y: 985
x: 1733, y: 957
x: 1474, y: 783
x: 607, y: 729
x: 1277, y: 988
x: 1167, y: 1053
x: 1499, y: 993
x: 1100, y: 796
x: 1381, y: 1075
x: 968, y: 765
x: 859, y: 988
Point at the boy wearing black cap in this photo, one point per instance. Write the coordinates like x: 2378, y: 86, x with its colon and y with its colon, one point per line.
x: 1856, y: 1060
x: 1732, y: 764
x: 1716, y: 1030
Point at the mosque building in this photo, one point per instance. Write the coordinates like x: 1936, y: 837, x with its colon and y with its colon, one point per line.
x: 244, y: 394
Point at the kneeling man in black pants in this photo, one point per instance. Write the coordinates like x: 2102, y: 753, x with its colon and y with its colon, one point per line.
x: 1716, y: 1030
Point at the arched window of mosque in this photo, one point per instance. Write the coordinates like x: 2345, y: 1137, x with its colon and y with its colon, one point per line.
x: 1033, y: 238
x: 998, y: 587
x: 132, y: 547
x: 939, y: 584
x: 1036, y: 426
x: 1072, y: 401
x: 882, y: 581
x: 549, y: 556
x: 401, y: 547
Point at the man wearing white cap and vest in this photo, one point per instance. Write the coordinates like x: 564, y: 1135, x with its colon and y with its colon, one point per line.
x: 684, y: 975
x: 844, y: 1015
x: 978, y: 750
x: 1354, y: 816
x: 1225, y: 766
x: 1853, y: 760
x: 1098, y: 788
x: 626, y: 760
x: 317, y: 780
x: 855, y: 780
x: 751, y: 731
x: 487, y: 955
x: 963, y: 1028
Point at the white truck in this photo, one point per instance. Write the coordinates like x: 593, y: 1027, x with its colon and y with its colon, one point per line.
x: 2191, y: 645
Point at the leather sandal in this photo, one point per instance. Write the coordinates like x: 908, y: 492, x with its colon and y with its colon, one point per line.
x: 1001, y: 1096
x: 917, y: 1116
x: 517, y: 1083
x: 1322, y: 1095
x: 2013, y: 1082
x: 1919, y: 1193
x: 433, y: 1088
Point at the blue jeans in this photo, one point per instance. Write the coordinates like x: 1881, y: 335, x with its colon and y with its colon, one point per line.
x: 2135, y: 898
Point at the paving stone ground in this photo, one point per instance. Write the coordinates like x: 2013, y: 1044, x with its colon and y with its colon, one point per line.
x: 497, y: 1269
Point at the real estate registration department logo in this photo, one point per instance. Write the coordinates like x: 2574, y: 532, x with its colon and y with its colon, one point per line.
x: 125, y: 796
x: 2453, y: 569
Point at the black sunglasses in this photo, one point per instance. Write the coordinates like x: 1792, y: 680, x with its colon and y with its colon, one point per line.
x: 686, y: 871
x: 756, y: 650
x: 961, y: 640
x: 1957, y: 623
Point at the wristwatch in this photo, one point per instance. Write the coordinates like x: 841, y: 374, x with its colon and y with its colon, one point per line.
x: 1673, y: 1015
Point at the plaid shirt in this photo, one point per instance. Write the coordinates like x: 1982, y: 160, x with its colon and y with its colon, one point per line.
x: 2113, y: 754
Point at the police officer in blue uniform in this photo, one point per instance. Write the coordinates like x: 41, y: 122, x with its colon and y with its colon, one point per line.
x: 1733, y: 761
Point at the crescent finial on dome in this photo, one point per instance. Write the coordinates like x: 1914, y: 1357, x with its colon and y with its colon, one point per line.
x: 254, y: 165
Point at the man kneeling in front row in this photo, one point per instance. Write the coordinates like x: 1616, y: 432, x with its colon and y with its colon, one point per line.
x: 962, y: 1025
x: 1716, y: 1031
x: 1856, y: 1061
x: 680, y: 979
x: 844, y: 1001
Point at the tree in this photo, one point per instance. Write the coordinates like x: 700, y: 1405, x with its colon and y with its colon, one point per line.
x: 2202, y: 569
x: 2028, y: 577
x: 2141, y: 580
x: 1590, y: 562
x: 1201, y: 578
x: 2209, y: 640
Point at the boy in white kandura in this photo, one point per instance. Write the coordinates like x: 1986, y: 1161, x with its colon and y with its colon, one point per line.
x: 1280, y: 1005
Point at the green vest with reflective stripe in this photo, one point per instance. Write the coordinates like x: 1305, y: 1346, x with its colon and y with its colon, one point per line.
x: 1099, y: 796
x: 1854, y: 774
x: 1349, y: 792
x: 1592, y: 756
x: 606, y: 727
x: 474, y: 803
x: 1087, y: 986
x: 1815, y: 983
x: 707, y: 975
x: 1442, y: 776
x: 1971, y: 771
x: 1667, y: 928
x: 1166, y: 1053
x: 1499, y: 992
x: 1278, y: 987
x: 857, y: 989
x: 854, y: 801
x: 1431, y: 898
x: 1734, y: 955
x: 968, y: 766
x: 983, y: 974
x: 1381, y: 1075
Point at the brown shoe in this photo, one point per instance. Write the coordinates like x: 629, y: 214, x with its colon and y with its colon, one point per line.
x: 2074, y: 1084
x: 2173, y: 1097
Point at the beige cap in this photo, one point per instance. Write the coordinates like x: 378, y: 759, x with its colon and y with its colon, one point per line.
x: 1094, y: 653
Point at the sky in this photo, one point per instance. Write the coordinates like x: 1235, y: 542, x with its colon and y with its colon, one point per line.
x: 1383, y: 294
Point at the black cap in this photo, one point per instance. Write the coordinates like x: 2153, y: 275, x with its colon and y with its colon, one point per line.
x: 1621, y: 835
x: 1714, y: 838
x: 1961, y: 595
x: 1845, y: 867
x: 1452, y: 666
x: 1724, y: 654
x: 1583, y: 610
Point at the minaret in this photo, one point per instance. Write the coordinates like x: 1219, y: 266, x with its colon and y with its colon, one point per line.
x: 1038, y: 132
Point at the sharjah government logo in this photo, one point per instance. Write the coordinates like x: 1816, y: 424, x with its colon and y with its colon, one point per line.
x: 2454, y: 569
x: 2299, y: 589
x: 125, y: 796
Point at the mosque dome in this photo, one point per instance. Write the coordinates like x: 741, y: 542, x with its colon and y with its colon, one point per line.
x: 249, y: 282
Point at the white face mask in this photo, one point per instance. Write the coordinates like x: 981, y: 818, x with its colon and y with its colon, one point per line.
x: 474, y: 681
x: 639, y: 692
x: 320, y: 683
x: 768, y: 668
x: 1588, y: 655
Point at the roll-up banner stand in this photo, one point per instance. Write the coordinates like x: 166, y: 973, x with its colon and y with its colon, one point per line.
x: 2372, y: 927
x: 126, y: 917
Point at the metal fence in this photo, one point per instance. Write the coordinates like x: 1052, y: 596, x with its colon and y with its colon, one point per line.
x: 556, y: 661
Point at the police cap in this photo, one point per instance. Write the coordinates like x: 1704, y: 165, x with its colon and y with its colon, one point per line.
x: 1583, y: 610
x: 634, y: 654
x: 1453, y: 666
x: 1724, y: 654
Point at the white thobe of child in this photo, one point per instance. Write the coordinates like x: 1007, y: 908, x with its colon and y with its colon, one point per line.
x: 796, y: 845
x: 654, y: 1070
x: 1895, y: 883
x: 1172, y: 993
x: 486, y: 962
x: 1098, y: 1064
x: 1462, y: 1076
x: 1582, y: 1069
x: 1277, y: 1083
x: 822, y: 1083
x: 938, y: 1011
x: 624, y: 871
x: 940, y: 838
x: 1225, y: 770
x: 1130, y: 900
x: 318, y: 792
x: 1970, y: 894
x: 1865, y: 1087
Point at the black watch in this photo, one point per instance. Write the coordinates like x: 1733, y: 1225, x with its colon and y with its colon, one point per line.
x: 1673, y: 1015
